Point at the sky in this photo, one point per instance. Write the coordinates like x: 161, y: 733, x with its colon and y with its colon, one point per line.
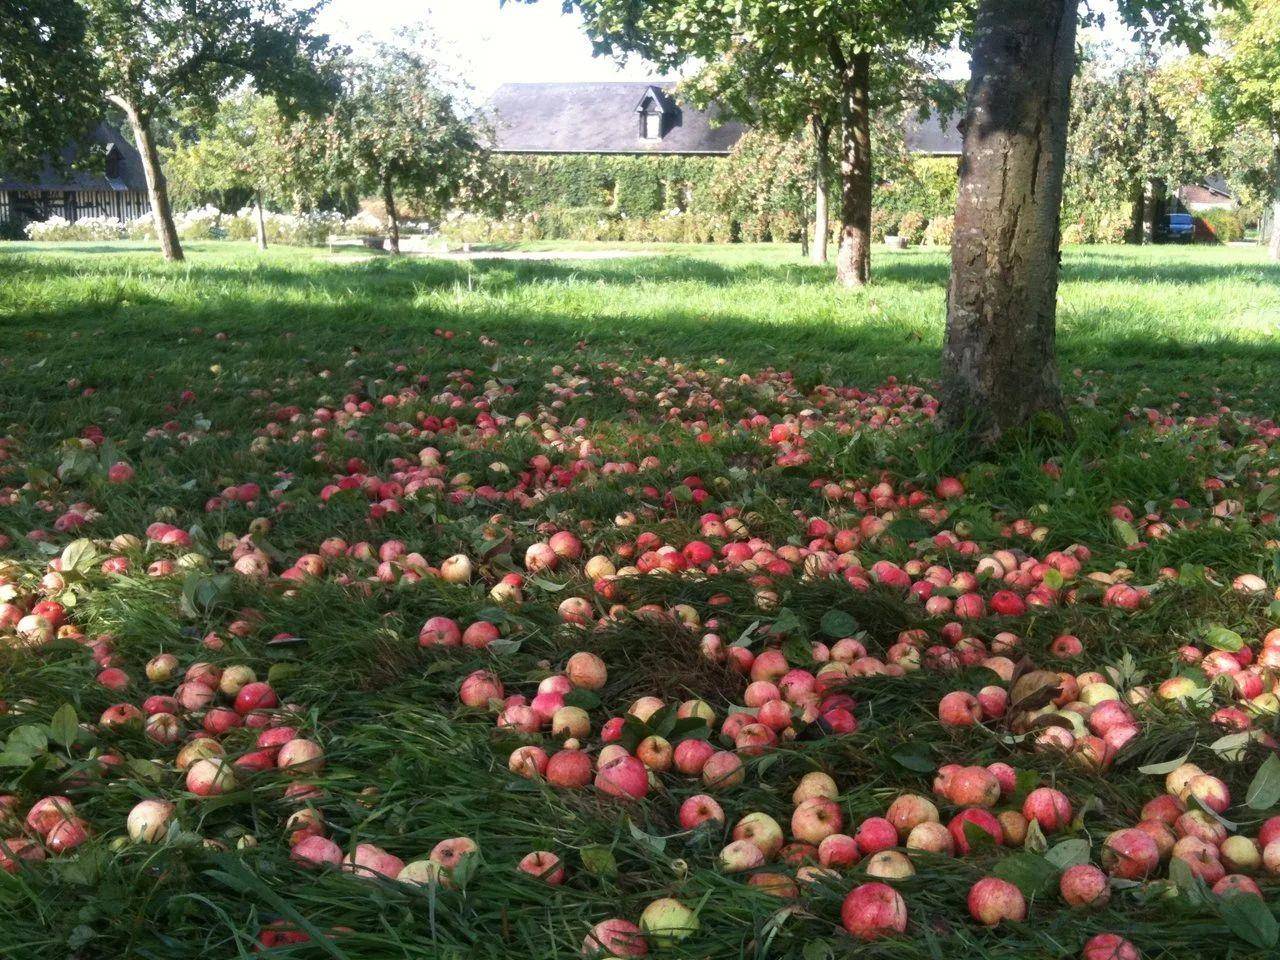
x: 494, y: 45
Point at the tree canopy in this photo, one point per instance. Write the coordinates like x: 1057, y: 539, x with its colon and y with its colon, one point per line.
x: 48, y: 81
x: 400, y: 130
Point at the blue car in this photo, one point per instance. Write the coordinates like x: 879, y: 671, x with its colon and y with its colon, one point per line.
x: 1180, y: 226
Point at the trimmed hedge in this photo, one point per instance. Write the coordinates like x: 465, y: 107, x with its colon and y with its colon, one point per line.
x: 629, y: 186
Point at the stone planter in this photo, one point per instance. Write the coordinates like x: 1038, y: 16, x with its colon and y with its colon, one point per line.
x: 896, y: 243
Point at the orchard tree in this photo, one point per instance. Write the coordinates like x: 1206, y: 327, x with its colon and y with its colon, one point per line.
x: 1124, y: 136
x: 399, y: 131
x: 49, y: 93
x: 999, y: 366
x: 1246, y: 85
x: 160, y: 56
x: 831, y: 47
x: 797, y: 106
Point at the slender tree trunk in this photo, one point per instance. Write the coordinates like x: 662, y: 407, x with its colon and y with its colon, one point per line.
x: 822, y: 177
x: 392, y: 220
x: 157, y: 186
x: 1274, y: 246
x: 1139, y: 212
x: 1156, y: 202
x: 1275, y: 202
x: 853, y: 261
x: 262, y: 223
x: 999, y: 368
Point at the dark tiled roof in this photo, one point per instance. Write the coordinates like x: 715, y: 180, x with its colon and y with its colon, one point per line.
x: 91, y: 174
x: 936, y: 135
x: 600, y: 118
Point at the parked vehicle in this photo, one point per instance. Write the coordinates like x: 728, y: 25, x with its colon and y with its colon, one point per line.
x: 1180, y: 227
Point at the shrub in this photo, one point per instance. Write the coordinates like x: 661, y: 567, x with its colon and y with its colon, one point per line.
x: 202, y: 223
x: 883, y: 223
x: 940, y: 231
x: 86, y: 228
x: 912, y: 226
x: 1226, y: 226
x: 1073, y: 233
x: 1113, y: 226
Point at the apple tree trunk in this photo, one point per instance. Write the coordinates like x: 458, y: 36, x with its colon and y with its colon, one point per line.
x: 393, y: 221
x: 821, y: 214
x: 999, y: 368
x: 262, y: 221
x: 853, y: 260
x: 1275, y: 201
x: 157, y: 186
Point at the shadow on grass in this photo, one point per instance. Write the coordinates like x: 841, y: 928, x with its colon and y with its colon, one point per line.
x: 385, y: 301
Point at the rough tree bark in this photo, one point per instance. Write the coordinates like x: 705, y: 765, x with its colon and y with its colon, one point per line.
x: 853, y: 260
x: 262, y: 222
x: 1156, y: 202
x: 393, y: 221
x: 157, y: 186
x: 822, y: 176
x: 999, y: 367
x: 1139, y: 218
x: 1275, y: 202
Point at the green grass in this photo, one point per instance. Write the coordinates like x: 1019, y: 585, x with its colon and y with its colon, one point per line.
x: 106, y: 335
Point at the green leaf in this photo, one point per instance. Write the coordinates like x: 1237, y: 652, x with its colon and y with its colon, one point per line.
x: 79, y: 556
x: 1165, y: 768
x: 1124, y: 531
x: 908, y: 528
x: 1220, y: 638
x: 633, y: 731
x: 1069, y: 853
x: 64, y: 726
x: 1029, y: 872
x: 797, y: 651
x: 657, y: 844
x: 583, y: 699
x: 281, y: 672
x: 503, y: 647
x: 1250, y: 919
x: 599, y: 861
x: 837, y: 624
x: 1036, y: 841
x: 689, y: 728
x: 817, y: 950
x: 1264, y: 790
x: 30, y: 738
x: 979, y: 839
x: 788, y: 622
x: 1181, y: 875
x: 1233, y: 746
x: 915, y: 756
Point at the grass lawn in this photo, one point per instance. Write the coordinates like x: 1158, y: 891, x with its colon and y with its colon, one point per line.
x: 745, y: 456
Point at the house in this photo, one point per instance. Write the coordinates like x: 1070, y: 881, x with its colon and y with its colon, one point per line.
x: 639, y: 119
x: 103, y: 177
x: 1212, y: 194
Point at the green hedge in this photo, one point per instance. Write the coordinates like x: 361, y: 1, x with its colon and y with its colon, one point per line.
x: 1227, y: 226
x: 625, y: 185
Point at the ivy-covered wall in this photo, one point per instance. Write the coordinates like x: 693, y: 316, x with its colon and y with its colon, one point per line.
x: 632, y: 186
x: 763, y: 191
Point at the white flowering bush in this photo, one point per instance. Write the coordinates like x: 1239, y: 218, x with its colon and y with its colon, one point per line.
x: 210, y: 223
x: 307, y: 229
x: 86, y: 228
x: 141, y: 228
x: 203, y: 223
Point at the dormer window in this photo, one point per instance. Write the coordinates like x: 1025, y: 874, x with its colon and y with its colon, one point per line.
x: 657, y: 113
x: 651, y: 124
x: 113, y: 164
